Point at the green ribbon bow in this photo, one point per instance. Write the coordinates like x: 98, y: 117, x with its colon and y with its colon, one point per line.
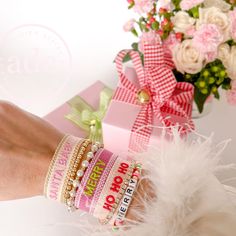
x: 84, y: 116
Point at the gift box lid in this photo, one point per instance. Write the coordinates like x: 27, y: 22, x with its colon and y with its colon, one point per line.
x: 57, y: 117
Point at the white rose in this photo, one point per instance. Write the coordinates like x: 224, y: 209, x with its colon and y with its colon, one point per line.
x: 223, y: 53
x: 231, y: 63
x: 214, y: 15
x: 187, y: 58
x: 221, y: 4
x: 182, y: 21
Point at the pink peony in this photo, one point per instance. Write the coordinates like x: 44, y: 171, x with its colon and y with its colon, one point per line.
x: 171, y: 42
x: 191, y: 31
x: 143, y: 6
x: 207, y: 40
x: 232, y: 15
x: 150, y: 37
x: 231, y: 94
x: 188, y: 4
x: 129, y: 25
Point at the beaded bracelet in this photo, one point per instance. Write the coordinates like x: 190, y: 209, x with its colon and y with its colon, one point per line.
x: 120, y: 194
x: 76, y: 155
x: 127, y: 198
x: 76, y: 176
x: 93, y: 180
x: 72, y: 170
x: 58, y: 167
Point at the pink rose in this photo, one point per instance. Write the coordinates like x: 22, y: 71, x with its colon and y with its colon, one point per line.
x: 129, y: 25
x: 232, y: 15
x: 207, y: 40
x: 143, y: 6
x: 150, y: 37
x: 231, y: 94
x: 188, y: 4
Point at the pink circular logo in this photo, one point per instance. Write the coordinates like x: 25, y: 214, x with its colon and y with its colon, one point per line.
x: 35, y: 63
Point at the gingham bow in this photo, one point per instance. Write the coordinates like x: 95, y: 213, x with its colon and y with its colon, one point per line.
x: 167, y: 96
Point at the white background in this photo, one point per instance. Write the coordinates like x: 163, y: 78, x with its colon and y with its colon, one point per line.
x: 93, y: 33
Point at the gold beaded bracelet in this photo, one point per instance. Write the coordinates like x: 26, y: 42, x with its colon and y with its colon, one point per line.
x: 69, y: 171
x: 71, y: 175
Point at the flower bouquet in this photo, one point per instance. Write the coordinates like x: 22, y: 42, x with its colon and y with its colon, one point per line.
x: 199, y: 34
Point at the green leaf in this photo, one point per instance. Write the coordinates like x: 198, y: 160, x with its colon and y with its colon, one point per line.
x: 200, y: 99
x: 155, y: 25
x: 135, y: 46
x: 220, y: 80
x: 176, y: 4
x: 194, y: 12
x: 126, y: 58
x: 134, y: 32
x: 216, y: 94
x: 131, y: 5
x: 226, y: 86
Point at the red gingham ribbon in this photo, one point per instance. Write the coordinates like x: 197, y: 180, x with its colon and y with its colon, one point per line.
x: 167, y: 95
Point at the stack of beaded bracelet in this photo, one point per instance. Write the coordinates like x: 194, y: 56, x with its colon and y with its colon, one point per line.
x: 78, y: 170
x: 58, y: 167
x: 127, y: 197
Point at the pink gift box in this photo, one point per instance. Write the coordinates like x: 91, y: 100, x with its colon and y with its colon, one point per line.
x: 57, y: 117
x: 119, y: 120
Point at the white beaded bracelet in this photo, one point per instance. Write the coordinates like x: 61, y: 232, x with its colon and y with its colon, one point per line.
x: 126, y: 200
x: 128, y: 196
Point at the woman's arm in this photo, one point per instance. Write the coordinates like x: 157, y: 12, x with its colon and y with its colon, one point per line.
x: 27, y: 144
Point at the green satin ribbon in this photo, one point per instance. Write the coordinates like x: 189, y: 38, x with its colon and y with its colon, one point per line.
x: 89, y: 120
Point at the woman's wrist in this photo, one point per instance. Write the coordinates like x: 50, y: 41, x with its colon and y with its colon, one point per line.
x: 42, y: 163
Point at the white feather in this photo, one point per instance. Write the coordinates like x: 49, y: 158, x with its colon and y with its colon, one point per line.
x: 191, y: 201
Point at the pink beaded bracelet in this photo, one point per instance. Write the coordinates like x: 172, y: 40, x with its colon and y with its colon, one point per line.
x: 113, y: 190
x: 93, y: 179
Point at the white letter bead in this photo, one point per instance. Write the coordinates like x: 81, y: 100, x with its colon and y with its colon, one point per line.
x: 121, y: 214
x: 123, y: 208
x: 129, y: 191
x: 133, y: 182
x: 127, y: 200
x: 120, y: 217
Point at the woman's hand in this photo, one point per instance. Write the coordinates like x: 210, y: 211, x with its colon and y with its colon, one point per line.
x: 145, y: 194
x: 27, y: 144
